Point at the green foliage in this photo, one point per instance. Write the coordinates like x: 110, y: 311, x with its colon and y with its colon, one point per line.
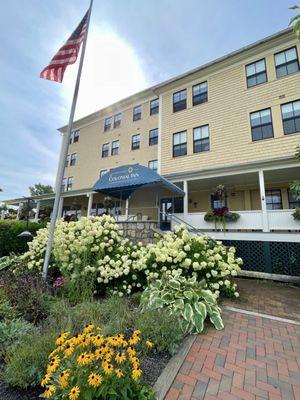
x: 39, y: 189
x: 26, y: 361
x: 9, y: 240
x: 161, y: 328
x: 8, y: 262
x: 11, y: 332
x: 27, y: 293
x: 82, y: 290
x: 185, y: 298
x: 295, y: 187
x: 295, y: 21
x: 296, y: 214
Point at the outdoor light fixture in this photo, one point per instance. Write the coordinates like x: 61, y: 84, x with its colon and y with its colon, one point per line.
x: 26, y: 234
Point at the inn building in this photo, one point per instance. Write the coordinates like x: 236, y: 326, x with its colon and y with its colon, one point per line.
x: 160, y: 153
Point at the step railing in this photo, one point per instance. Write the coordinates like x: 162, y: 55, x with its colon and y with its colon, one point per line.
x: 175, y: 218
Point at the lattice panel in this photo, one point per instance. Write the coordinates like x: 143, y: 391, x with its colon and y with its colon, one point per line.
x: 252, y: 254
x: 285, y: 258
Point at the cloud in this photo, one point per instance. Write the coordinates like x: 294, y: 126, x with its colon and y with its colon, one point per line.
x: 112, y: 70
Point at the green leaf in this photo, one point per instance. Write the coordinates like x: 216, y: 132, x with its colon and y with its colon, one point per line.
x: 167, y: 297
x: 179, y: 303
x: 208, y: 297
x: 198, y: 321
x: 217, y: 321
x: 157, y: 303
x: 174, y: 284
x: 201, y: 309
x: 188, y: 312
x: 188, y: 294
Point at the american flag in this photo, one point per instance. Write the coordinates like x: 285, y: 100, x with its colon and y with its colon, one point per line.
x: 67, y: 54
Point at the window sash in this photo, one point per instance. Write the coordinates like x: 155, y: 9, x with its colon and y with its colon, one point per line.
x: 256, y: 73
x: 69, y: 183
x: 73, y: 159
x: 153, y: 137
x: 117, y: 120
x: 291, y: 117
x: 154, y: 106
x: 107, y: 123
x: 273, y: 199
x: 153, y: 165
x: 135, y: 142
x: 179, y: 101
x: 137, y: 113
x: 76, y: 136
x: 200, y: 93
x: 179, y: 144
x: 115, y: 148
x: 105, y: 150
x: 261, y: 124
x: 286, y: 62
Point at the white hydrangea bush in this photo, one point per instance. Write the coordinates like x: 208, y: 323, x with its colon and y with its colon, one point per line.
x: 91, y: 246
x: 194, y: 255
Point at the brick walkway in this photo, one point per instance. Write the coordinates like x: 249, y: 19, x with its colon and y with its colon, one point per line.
x: 253, y: 358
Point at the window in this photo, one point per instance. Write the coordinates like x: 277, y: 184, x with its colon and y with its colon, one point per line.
x: 179, y: 144
x: 117, y: 120
x: 76, y: 135
x: 137, y: 113
x: 200, y: 93
x: 115, y: 148
x: 256, y: 73
x: 179, y: 101
x: 69, y: 183
x: 105, y: 150
x: 273, y: 199
x: 261, y: 124
x: 103, y: 172
x: 201, y: 139
x: 73, y: 159
x: 63, y: 185
x: 107, y: 123
x: 154, y: 106
x: 178, y: 205
x: 286, y: 62
x: 153, y: 165
x: 216, y: 202
x: 291, y: 117
x: 135, y: 142
x: 67, y: 161
x: 153, y: 137
x: 293, y: 201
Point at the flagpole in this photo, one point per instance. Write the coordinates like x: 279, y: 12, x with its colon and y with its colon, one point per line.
x: 61, y: 167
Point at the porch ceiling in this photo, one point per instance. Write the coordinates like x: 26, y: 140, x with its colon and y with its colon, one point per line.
x: 229, y: 181
x: 282, y: 175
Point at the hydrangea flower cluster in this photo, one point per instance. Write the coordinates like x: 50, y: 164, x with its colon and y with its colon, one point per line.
x: 96, y: 247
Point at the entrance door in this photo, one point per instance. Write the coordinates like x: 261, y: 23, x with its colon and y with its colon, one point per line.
x: 166, y: 207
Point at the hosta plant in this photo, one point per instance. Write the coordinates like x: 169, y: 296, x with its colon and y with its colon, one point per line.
x: 185, y: 298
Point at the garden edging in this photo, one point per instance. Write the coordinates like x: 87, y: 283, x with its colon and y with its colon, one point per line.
x: 166, y: 378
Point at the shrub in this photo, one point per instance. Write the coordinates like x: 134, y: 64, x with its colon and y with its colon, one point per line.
x: 162, y: 328
x: 9, y: 240
x: 91, y: 365
x: 296, y: 213
x: 11, y: 332
x: 184, y: 298
x: 26, y: 361
x: 27, y: 294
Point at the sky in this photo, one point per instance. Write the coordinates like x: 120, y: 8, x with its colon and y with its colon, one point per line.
x: 132, y: 44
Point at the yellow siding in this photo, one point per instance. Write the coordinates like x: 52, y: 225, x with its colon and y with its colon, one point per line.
x: 227, y: 113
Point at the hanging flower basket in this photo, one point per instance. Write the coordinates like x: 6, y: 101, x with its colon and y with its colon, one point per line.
x: 221, y: 216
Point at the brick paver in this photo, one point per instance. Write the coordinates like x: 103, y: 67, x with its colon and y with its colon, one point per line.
x: 253, y: 358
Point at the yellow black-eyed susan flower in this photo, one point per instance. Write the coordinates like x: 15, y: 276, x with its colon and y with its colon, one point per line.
x: 74, y: 393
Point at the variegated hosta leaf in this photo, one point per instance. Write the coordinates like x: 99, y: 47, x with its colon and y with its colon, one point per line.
x: 167, y: 297
x: 188, y: 294
x: 179, y: 303
x: 208, y: 296
x: 200, y: 308
x: 188, y: 312
x: 198, y: 322
x: 157, y: 303
x: 216, y: 319
x: 156, y: 284
x: 174, y: 284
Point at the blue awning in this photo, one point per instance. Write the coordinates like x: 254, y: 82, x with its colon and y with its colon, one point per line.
x: 121, y: 182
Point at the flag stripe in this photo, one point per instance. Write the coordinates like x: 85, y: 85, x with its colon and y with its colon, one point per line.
x: 67, y: 54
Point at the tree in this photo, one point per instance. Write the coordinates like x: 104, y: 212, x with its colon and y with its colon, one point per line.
x: 295, y: 21
x: 39, y: 189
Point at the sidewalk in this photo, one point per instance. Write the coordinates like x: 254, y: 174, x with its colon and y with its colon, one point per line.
x: 253, y: 358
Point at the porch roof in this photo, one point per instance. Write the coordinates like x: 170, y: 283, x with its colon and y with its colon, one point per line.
x: 122, y: 181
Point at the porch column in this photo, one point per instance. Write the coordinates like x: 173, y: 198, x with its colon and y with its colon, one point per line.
x: 185, y: 199
x: 38, y: 205
x: 265, y: 220
x: 19, y: 210
x: 127, y: 208
x: 90, y: 203
x: 60, y: 208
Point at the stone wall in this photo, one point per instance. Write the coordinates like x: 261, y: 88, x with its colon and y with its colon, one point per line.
x: 139, y: 231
